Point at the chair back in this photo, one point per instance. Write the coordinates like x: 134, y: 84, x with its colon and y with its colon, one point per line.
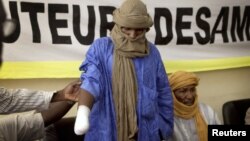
x: 234, y: 111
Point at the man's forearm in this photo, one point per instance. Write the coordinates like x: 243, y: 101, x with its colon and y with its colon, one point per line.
x: 58, y: 96
x: 56, y: 111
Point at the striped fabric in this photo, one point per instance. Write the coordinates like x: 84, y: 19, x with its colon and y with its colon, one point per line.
x: 21, y: 100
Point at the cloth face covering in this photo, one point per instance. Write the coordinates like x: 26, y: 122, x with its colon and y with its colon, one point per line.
x: 132, y: 14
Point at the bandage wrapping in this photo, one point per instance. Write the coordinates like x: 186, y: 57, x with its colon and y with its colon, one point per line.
x: 82, y: 120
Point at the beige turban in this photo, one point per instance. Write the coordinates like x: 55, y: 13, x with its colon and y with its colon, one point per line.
x: 133, y: 14
x: 181, y: 79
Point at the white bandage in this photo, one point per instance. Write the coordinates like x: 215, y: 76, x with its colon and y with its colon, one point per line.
x: 82, y: 120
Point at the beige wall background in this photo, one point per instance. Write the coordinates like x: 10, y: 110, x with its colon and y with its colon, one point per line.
x: 216, y: 87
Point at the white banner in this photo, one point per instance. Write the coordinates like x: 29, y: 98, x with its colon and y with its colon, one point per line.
x: 58, y: 30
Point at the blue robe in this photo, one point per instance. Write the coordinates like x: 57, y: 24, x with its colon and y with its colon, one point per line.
x: 154, y: 98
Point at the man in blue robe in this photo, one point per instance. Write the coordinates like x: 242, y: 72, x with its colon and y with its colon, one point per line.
x: 126, y: 94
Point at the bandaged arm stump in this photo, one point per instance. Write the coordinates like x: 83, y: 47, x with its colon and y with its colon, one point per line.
x: 85, y: 104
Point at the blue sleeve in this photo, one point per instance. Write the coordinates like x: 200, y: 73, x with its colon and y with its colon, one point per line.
x: 91, y: 73
x: 165, y: 102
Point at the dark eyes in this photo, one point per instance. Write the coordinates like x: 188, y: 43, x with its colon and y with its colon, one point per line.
x: 135, y: 29
x: 185, y: 90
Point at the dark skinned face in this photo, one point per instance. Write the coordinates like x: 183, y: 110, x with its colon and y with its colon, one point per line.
x: 186, y: 95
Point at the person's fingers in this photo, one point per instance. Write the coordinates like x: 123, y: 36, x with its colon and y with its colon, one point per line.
x: 76, y: 99
x: 77, y: 96
x: 76, y: 83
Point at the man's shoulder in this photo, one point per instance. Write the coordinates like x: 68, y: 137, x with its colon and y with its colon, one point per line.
x: 2, y: 91
x: 204, y: 105
x: 152, y: 47
x: 103, y: 40
x: 206, y: 108
x: 102, y: 45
